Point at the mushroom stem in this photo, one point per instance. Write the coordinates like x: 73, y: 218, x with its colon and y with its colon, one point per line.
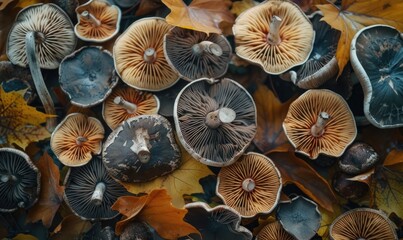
x: 223, y: 115
x: 207, y: 46
x: 248, y: 185
x: 273, y: 37
x: 318, y: 128
x: 290, y: 76
x: 150, y: 55
x: 8, y: 177
x: 37, y: 78
x: 91, y: 17
x: 80, y: 140
x: 141, y: 145
x: 130, y: 107
x: 98, y: 194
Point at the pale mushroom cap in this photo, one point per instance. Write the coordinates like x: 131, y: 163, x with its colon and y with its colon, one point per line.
x: 267, y: 180
x: 64, y: 139
x: 274, y: 231
x: 339, y: 132
x: 53, y: 23
x: 129, y: 50
x: 296, y: 34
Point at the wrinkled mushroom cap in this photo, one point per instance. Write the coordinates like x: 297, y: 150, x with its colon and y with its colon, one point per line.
x: 56, y: 27
x: 251, y: 185
x: 76, y: 138
x: 296, y: 33
x: 339, y: 132
x: 274, y: 231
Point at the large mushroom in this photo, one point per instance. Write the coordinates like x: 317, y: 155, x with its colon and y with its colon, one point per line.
x: 41, y: 37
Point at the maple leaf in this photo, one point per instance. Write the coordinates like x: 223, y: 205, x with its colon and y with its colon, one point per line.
x: 156, y: 210
x: 200, y: 15
x: 356, y: 14
x: 71, y: 227
x: 51, y: 195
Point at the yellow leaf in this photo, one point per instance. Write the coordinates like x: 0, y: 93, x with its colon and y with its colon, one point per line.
x: 200, y: 15
x: 24, y: 237
x: 241, y: 6
x: 26, y: 134
x: 394, y: 158
x: 327, y: 219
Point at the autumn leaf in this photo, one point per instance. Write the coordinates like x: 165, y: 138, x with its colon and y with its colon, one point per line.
x: 394, y: 158
x: 24, y: 237
x: 51, y: 195
x: 327, y: 219
x: 156, y: 210
x: 71, y: 227
x: 148, y: 6
x: 200, y: 15
x: 240, y: 6
x: 356, y: 14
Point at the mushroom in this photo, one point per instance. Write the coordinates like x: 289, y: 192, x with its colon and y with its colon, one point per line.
x: 125, y: 103
x: 197, y: 55
x: 76, y: 138
x: 252, y: 185
x: 347, y: 188
x: 19, y: 180
x: 140, y: 149
x: 274, y: 231
x: 15, y: 78
x: 215, y: 120
x: 362, y: 223
x: 90, y: 191
x: 98, y: 21
x: 320, y: 121
x: 139, y: 56
x: 35, y: 40
x: 376, y: 56
x: 275, y: 35
x: 358, y: 158
x: 88, y: 76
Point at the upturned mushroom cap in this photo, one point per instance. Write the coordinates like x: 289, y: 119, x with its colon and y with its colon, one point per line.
x: 362, y: 223
x: 140, y: 149
x: 139, y: 56
x: 125, y: 103
x: 275, y: 35
x: 251, y: 185
x: 320, y: 121
x: 376, y: 56
x: 197, y: 55
x: 98, y: 21
x: 76, y: 138
x: 215, y: 120
x: 19, y: 180
x: 274, y: 231
x: 90, y: 191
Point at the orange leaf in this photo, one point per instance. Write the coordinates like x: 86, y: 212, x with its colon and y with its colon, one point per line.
x: 200, y: 15
x: 128, y: 206
x: 395, y: 157
x: 71, y: 227
x: 51, y: 195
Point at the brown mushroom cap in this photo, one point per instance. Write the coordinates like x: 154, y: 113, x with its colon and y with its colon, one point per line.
x: 320, y: 121
x: 274, y: 231
x: 76, y: 138
x: 139, y: 56
x: 295, y: 36
x: 251, y: 185
x: 362, y: 223
x: 125, y: 103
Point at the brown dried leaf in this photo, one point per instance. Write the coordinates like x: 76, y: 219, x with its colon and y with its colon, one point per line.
x: 148, y: 6
x: 71, y: 227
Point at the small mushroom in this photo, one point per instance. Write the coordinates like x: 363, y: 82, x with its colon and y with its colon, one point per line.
x: 125, y: 103
x: 320, y: 121
x: 139, y: 55
x: 274, y: 231
x: 76, y: 138
x: 376, y: 56
x: 19, y: 180
x: 215, y: 120
x: 358, y: 158
x: 275, y: 35
x: 98, y: 21
x: 362, y: 223
x: 15, y: 78
x: 90, y: 191
x: 251, y: 185
x: 197, y: 55
x: 140, y: 149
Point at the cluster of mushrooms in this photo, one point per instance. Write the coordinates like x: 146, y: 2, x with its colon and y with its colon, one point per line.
x: 214, y: 118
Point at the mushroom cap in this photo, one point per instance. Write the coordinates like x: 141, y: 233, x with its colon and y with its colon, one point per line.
x: 65, y: 141
x: 362, y: 223
x: 178, y: 49
x: 219, y: 146
x: 108, y: 15
x: 56, y: 27
x: 129, y: 55
x: 274, y: 231
x: 265, y: 192
x: 121, y: 159
x: 15, y: 78
x: 80, y: 184
x: 20, y: 180
x: 114, y: 114
x: 88, y: 76
x: 297, y: 36
x: 376, y: 57
x: 339, y: 132
x: 358, y: 158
